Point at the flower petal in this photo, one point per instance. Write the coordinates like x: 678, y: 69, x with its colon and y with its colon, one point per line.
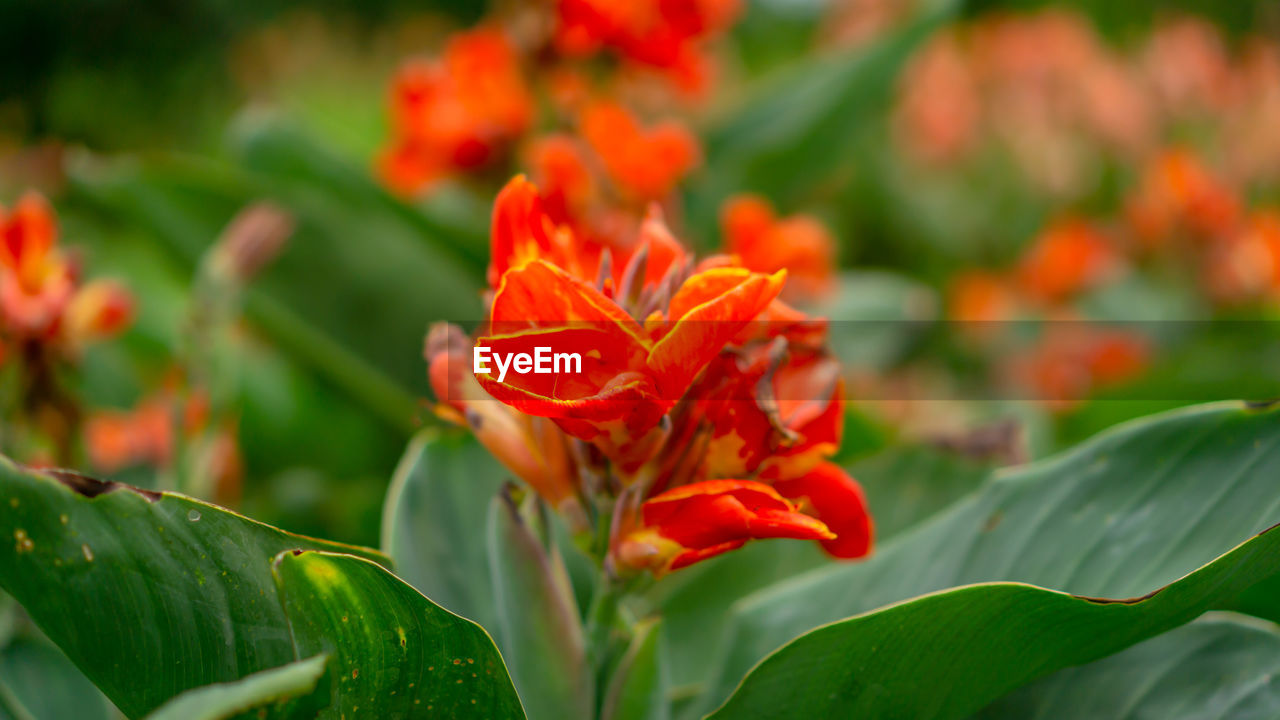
x: 837, y: 500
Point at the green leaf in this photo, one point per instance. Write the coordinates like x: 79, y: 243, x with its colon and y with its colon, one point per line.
x: 948, y: 654
x: 435, y: 517
x: 693, y: 602
x: 803, y: 118
x: 909, y: 483
x: 37, y: 682
x: 148, y: 594
x: 268, y: 692
x: 1210, y: 669
x: 395, y: 653
x: 1127, y: 513
x: 638, y: 689
x: 539, y: 627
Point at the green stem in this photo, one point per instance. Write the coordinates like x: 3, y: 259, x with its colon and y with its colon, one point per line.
x: 360, y: 380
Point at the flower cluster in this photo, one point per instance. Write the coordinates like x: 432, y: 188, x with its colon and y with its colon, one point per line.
x: 468, y: 110
x: 457, y: 113
x: 1071, y: 358
x: 1045, y: 87
x: 667, y: 35
x: 152, y: 433
x: 705, y: 408
x: 47, y: 317
x: 1181, y: 219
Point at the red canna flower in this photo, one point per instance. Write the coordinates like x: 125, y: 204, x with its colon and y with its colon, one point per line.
x: 455, y: 114
x: 701, y: 520
x: 645, y: 163
x: 1073, y: 359
x: 688, y: 374
x: 632, y: 374
x: 766, y: 243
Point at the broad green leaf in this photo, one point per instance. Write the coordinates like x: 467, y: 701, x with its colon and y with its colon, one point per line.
x: 1210, y: 669
x: 539, y: 628
x: 693, y: 602
x: 638, y: 688
x: 394, y: 652
x: 948, y: 654
x: 148, y: 594
x: 909, y: 483
x: 1121, y: 516
x: 268, y: 693
x: 435, y: 518
x: 37, y: 682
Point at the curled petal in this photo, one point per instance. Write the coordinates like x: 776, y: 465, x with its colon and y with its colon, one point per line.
x: 706, y: 313
x: 837, y: 500
x: 524, y: 445
x: 521, y: 230
x: 700, y: 520
x: 540, y: 294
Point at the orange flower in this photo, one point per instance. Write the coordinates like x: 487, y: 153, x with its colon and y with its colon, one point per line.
x: 645, y: 163
x: 766, y: 243
x: 39, y: 297
x: 981, y: 297
x: 1073, y: 359
x: 98, y: 310
x: 560, y: 168
x: 455, y: 114
x: 1069, y: 257
x: 940, y: 106
x: 1246, y: 265
x: 1179, y: 193
x: 36, y: 282
x: 632, y: 375
x: 701, y: 520
x: 664, y: 34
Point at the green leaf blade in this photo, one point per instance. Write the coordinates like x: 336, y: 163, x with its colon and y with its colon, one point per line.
x: 266, y: 692
x: 395, y: 653
x: 1129, y: 512
x: 149, y: 594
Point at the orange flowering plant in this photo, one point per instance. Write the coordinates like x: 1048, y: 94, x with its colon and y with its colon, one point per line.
x: 744, y: 353
x: 48, y: 315
x: 703, y: 412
